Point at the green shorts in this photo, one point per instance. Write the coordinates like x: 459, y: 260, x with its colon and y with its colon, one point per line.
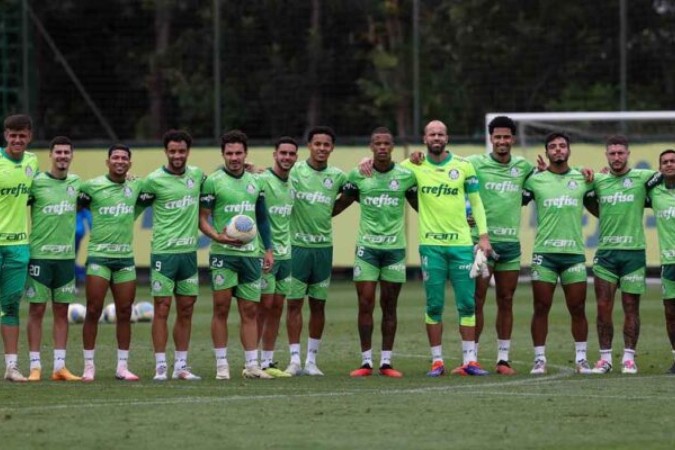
x: 174, y: 273
x: 668, y: 281
x: 13, y: 273
x: 51, y: 279
x: 440, y: 263
x: 548, y: 267
x: 117, y: 270
x: 278, y: 280
x: 243, y: 273
x: 372, y: 264
x: 311, y: 270
x: 625, y: 268
x: 509, y: 256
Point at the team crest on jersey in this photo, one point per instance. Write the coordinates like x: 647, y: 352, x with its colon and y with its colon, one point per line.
x: 627, y: 183
x: 219, y: 280
x: 157, y: 286
x: 453, y: 174
x: 29, y: 171
x: 30, y: 292
x: 357, y: 271
x: 291, y: 193
x: 190, y: 183
x: 70, y: 191
x: 127, y: 191
x: 535, y: 275
x: 394, y: 185
x: 328, y: 183
x: 250, y: 188
x: 515, y: 172
x: 572, y: 185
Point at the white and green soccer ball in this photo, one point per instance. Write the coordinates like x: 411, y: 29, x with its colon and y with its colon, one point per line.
x: 144, y: 311
x: 242, y: 228
x: 76, y: 313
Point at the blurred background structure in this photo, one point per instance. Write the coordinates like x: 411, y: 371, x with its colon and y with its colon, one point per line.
x: 130, y: 69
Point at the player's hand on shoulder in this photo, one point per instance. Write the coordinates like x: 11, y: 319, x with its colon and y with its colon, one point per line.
x: 366, y: 166
x: 417, y: 157
x: 251, y: 168
x: 588, y: 174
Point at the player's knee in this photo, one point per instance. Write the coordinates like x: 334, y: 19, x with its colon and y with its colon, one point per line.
x: 466, y: 310
x: 9, y: 305
x: 434, y: 314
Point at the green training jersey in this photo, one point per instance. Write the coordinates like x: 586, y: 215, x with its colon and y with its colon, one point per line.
x: 315, y: 192
x: 621, y: 200
x: 53, y: 214
x: 663, y: 204
x: 441, y: 188
x: 279, y: 203
x: 175, y: 209
x: 113, y: 211
x: 16, y: 178
x: 501, y: 189
x: 559, y: 200
x: 227, y: 196
x: 382, y: 199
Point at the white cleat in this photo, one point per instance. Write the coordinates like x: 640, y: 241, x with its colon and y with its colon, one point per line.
x: 539, y: 367
x: 629, y: 367
x: 294, y: 369
x: 312, y: 370
x: 89, y: 373
x: 223, y: 372
x: 256, y: 372
x: 12, y: 374
x: 126, y: 375
x: 602, y: 367
x: 161, y: 374
x: 583, y: 367
x: 185, y: 374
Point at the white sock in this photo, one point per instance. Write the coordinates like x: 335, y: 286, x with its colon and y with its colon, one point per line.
x: 250, y: 358
x: 221, y: 356
x: 294, y: 350
x: 468, y: 352
x: 160, y: 360
x: 267, y: 358
x: 580, y: 350
x: 180, y: 360
x: 122, y: 359
x: 11, y: 359
x: 606, y: 355
x: 476, y: 350
x: 34, y: 358
x: 312, y: 350
x: 503, y: 348
x: 367, y: 358
x: 88, y: 357
x: 628, y: 355
x: 540, y: 353
x: 385, y: 357
x: 437, y: 353
x: 59, y: 359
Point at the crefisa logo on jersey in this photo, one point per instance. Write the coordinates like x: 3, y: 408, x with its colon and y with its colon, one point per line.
x: 515, y: 172
x: 394, y: 185
x: 453, y: 174
x: 190, y: 183
x: 127, y: 191
x: 328, y: 183
x: 627, y: 183
x: 572, y: 185
x: 250, y: 189
x: 70, y: 191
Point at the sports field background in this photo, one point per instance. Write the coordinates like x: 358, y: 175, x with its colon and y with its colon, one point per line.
x: 89, y: 163
x: 558, y: 411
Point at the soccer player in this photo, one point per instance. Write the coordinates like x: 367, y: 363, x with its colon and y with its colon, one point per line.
x: 317, y: 186
x: 235, y: 268
x: 558, y: 248
x: 53, y: 201
x: 380, y: 246
x: 17, y: 170
x: 501, y: 176
x: 446, y: 247
x: 173, y: 191
x: 112, y: 200
x: 618, y: 200
x: 662, y: 198
x: 277, y: 282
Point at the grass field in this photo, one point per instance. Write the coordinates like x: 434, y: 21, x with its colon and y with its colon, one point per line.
x: 560, y: 410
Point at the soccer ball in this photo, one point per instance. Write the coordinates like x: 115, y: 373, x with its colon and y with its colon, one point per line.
x: 242, y: 228
x: 109, y: 315
x: 134, y: 314
x: 144, y: 311
x: 76, y: 313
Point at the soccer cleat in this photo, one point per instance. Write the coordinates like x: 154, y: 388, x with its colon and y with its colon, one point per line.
x: 539, y: 367
x: 185, y: 374
x: 12, y: 374
x: 223, y: 372
x: 629, y: 367
x: 161, y: 373
x: 671, y: 370
x: 364, y: 371
x: 602, y: 367
x: 437, y: 369
x: 294, y: 369
x: 275, y: 372
x: 504, y: 368
x: 312, y: 370
x: 387, y: 371
x: 89, y: 372
x: 63, y: 374
x: 35, y: 374
x: 471, y: 369
x: 126, y: 375
x: 256, y: 372
x: 583, y: 367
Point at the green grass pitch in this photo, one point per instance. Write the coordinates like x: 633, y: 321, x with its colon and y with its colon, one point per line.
x: 559, y: 411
